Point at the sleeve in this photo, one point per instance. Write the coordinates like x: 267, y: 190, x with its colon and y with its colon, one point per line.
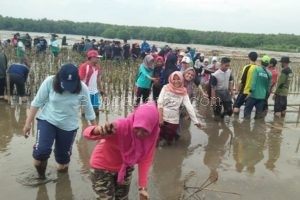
x: 86, y: 103
x: 213, y: 81
x: 253, y: 82
x: 190, y: 109
x: 87, y: 133
x: 144, y: 167
x: 81, y: 71
x: 244, y: 74
x: 42, y: 95
x: 160, y: 100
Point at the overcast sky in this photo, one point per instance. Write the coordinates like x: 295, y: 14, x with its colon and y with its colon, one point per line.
x: 251, y: 16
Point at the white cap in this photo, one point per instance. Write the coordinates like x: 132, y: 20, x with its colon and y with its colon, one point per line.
x: 214, y: 58
x: 186, y: 59
x: 181, y: 53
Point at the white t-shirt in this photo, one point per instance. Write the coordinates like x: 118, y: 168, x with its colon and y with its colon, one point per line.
x: 170, y: 103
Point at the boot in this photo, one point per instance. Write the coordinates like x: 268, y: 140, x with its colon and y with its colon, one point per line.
x: 41, y: 166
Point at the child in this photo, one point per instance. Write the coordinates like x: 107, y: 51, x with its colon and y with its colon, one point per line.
x: 171, y: 97
x: 144, y: 79
x: 123, y: 144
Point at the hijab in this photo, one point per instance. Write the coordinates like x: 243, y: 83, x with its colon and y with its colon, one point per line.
x: 134, y: 149
x: 176, y: 90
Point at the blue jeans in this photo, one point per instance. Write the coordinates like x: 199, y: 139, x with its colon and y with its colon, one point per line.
x: 259, y: 106
x: 46, y: 135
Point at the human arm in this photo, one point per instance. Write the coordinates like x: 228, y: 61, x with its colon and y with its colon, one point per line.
x: 213, y: 84
x: 99, y: 132
x: 189, y: 107
x: 29, y: 119
x: 143, y: 171
x: 230, y: 86
x: 87, y: 105
x: 160, y: 105
x: 82, y: 71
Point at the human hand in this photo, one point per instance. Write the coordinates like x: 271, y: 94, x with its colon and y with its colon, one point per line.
x: 143, y: 194
x: 107, y: 129
x: 26, y: 130
x: 161, y: 121
x: 101, y: 92
x: 198, y: 125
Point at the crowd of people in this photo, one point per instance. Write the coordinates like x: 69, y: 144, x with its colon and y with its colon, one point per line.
x: 172, y: 76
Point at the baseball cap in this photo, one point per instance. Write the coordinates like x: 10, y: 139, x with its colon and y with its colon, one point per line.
x: 93, y: 53
x: 181, y: 53
x: 69, y: 77
x: 186, y: 59
x: 265, y: 59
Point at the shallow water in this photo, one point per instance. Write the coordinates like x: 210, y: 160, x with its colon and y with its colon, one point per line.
x: 252, y: 160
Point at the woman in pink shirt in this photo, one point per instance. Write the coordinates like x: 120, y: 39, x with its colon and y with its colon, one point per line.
x: 124, y: 143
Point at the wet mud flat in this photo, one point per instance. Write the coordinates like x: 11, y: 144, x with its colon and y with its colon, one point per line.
x: 257, y: 159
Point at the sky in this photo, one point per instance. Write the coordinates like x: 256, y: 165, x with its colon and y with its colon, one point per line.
x: 245, y: 16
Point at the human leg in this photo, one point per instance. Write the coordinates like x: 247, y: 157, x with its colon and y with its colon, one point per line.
x: 145, y: 94
x: 138, y: 96
x: 240, y: 100
x: 42, y: 148
x: 248, y: 107
x: 63, y: 148
x: 122, y: 190
x: 2, y: 87
x: 259, y: 106
x: 103, y: 183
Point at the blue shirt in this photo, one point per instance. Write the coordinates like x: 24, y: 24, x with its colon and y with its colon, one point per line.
x: 20, y: 69
x: 143, y: 80
x: 62, y: 110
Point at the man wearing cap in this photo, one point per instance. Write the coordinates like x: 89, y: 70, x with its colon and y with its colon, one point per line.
x: 282, y: 89
x: 259, y: 90
x: 90, y: 74
x: 245, y: 83
x: 59, y: 99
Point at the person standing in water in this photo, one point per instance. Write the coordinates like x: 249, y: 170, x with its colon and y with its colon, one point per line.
x: 123, y: 144
x: 59, y: 98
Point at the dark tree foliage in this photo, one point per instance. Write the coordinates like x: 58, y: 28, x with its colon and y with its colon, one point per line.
x: 277, y: 42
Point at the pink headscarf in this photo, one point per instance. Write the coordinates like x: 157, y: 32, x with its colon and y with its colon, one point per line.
x: 171, y: 88
x: 134, y: 149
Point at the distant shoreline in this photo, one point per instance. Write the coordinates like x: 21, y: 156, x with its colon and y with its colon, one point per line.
x: 206, y: 49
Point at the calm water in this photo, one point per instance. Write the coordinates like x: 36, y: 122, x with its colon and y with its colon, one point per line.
x: 252, y: 160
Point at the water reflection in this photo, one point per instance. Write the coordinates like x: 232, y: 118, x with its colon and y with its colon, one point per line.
x: 274, y: 139
x: 42, y: 193
x: 63, y: 189
x: 215, y: 149
x: 12, y: 122
x: 168, y: 163
x: 249, y: 143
